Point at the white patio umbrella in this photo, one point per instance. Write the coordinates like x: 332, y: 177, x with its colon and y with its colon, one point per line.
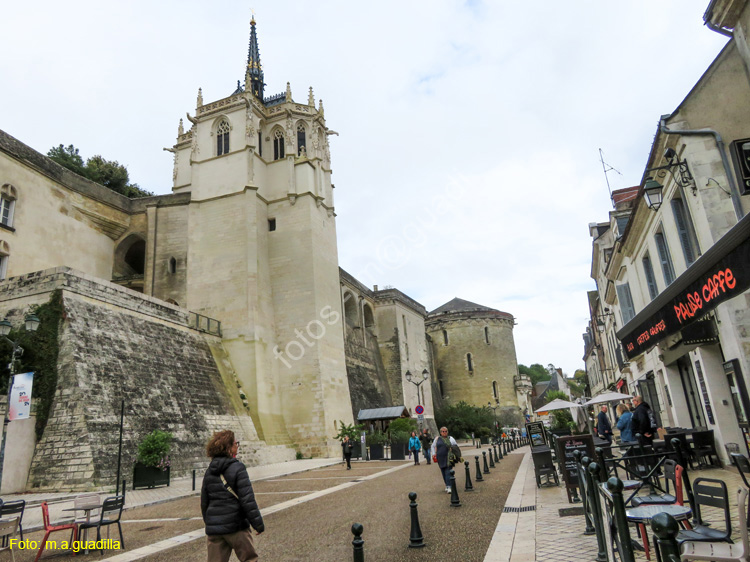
x: 557, y: 404
x: 608, y: 397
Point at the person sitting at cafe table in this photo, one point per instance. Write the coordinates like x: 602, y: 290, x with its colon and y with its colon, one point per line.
x: 603, y: 425
x: 624, y: 423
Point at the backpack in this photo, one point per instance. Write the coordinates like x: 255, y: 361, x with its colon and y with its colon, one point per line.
x: 652, y: 420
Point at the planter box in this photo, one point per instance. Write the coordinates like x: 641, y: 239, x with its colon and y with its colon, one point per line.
x: 398, y: 451
x: 376, y: 452
x: 149, y: 476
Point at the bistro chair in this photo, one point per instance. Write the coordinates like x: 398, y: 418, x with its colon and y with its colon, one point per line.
x: 743, y: 465
x: 110, y: 514
x: 673, y: 474
x: 13, y: 508
x: 685, y: 446
x: 705, y: 447
x: 8, y: 530
x: 708, y: 493
x: 721, y: 551
x: 49, y: 529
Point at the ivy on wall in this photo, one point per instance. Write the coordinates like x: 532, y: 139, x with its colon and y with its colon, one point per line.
x: 40, y: 356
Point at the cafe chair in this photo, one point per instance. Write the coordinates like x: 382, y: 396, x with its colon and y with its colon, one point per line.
x: 685, y: 446
x: 8, y: 530
x: 87, y: 505
x: 8, y: 509
x: 673, y: 474
x: 722, y: 551
x: 110, y: 514
x: 704, y: 447
x: 743, y: 465
x: 49, y: 529
x: 708, y: 493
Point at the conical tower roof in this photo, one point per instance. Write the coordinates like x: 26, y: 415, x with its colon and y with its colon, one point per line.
x: 461, y: 305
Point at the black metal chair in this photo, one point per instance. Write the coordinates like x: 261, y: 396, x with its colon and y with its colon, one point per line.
x: 705, y: 447
x: 9, y: 509
x: 743, y: 465
x: 708, y: 493
x: 110, y: 515
x: 686, y: 449
x: 670, y: 475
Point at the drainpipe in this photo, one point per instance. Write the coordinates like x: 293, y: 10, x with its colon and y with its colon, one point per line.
x: 734, y: 192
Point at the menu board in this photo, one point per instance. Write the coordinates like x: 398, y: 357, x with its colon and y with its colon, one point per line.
x: 565, y: 447
x: 535, y: 431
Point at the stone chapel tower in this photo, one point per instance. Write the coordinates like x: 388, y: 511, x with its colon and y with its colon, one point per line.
x: 260, y: 253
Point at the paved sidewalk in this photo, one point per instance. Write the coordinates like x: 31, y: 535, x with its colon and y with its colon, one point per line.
x: 532, y: 529
x: 178, y: 488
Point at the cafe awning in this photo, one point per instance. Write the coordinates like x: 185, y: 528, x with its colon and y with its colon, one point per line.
x: 721, y: 273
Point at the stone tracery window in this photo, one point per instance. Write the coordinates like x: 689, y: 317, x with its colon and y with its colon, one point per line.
x: 222, y: 138
x: 278, y: 144
x: 300, y: 138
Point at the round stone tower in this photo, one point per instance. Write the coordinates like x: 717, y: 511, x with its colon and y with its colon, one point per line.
x: 474, y: 354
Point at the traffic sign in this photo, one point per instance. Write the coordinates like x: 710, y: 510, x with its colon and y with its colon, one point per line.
x: 420, y: 417
x: 419, y: 409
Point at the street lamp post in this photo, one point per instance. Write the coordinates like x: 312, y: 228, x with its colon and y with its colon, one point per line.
x: 413, y: 380
x: 32, y: 323
x: 494, y: 411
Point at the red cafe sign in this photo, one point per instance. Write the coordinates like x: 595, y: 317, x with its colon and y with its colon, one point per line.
x: 696, y: 292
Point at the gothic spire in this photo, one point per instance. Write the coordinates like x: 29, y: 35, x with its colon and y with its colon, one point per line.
x: 254, y: 72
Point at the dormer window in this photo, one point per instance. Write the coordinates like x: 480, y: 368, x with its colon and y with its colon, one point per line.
x: 278, y: 145
x: 222, y: 138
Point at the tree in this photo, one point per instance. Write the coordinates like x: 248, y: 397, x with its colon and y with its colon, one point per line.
x: 109, y: 173
x: 561, y: 419
x: 68, y: 157
x: 536, y: 372
x: 462, y: 419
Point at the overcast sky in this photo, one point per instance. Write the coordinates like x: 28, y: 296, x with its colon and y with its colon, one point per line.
x: 468, y: 158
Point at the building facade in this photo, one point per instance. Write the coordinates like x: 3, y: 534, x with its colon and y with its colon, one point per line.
x: 670, y: 314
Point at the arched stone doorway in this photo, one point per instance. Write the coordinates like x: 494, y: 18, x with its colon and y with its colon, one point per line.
x: 130, y: 263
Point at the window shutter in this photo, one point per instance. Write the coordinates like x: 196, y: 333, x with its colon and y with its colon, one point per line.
x: 653, y: 291
x: 626, y: 302
x: 678, y: 208
x: 666, y: 260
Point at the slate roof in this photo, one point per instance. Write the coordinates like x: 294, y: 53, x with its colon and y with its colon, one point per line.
x: 461, y: 305
x: 390, y: 413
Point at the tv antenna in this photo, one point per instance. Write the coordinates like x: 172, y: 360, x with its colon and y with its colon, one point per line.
x: 607, y: 168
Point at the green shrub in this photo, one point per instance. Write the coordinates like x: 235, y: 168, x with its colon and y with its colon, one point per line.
x: 375, y: 438
x: 154, y: 449
x: 299, y: 455
x: 403, y: 425
x: 352, y: 431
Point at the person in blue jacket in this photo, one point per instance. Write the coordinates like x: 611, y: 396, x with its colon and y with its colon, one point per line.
x: 624, y: 423
x: 414, y: 446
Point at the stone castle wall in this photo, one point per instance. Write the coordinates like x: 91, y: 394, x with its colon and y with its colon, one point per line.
x: 368, y: 386
x: 119, y: 345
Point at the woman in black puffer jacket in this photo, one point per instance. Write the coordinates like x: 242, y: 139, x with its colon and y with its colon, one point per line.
x: 228, y: 507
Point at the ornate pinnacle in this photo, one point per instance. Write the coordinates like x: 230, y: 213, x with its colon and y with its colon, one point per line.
x: 200, y: 97
x: 180, y: 129
x: 311, y: 98
x: 320, y: 108
x: 288, y: 92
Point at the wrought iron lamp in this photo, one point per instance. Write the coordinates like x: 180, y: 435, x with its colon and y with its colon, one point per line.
x: 413, y: 380
x: 653, y: 192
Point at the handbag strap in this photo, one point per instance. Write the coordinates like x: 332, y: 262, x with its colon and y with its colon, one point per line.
x: 227, y: 486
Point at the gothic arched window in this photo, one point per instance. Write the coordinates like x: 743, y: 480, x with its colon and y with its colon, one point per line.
x: 301, y: 138
x: 278, y: 145
x: 222, y: 138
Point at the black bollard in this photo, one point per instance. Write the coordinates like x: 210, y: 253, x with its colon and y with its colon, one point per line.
x: 494, y: 450
x: 624, y: 544
x: 505, y: 447
x: 593, y: 486
x: 478, y: 447
x: 479, y: 470
x: 492, y: 461
x: 484, y: 463
x: 358, y: 544
x: 468, y: 487
x: 581, y: 463
x: 193, y: 480
x: 665, y: 529
x: 416, y: 540
x: 454, y: 490
x: 499, y: 450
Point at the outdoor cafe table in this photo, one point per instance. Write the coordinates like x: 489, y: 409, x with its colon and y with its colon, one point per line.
x: 88, y: 508
x: 643, y: 514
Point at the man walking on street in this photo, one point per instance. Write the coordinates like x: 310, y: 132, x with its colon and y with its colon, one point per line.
x: 426, y: 440
x: 643, y: 421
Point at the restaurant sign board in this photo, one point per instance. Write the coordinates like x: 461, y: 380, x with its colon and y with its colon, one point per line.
x: 699, y: 290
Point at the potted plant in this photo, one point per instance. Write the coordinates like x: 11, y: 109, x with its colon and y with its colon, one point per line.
x: 152, y: 467
x: 400, y: 430
x: 375, y: 442
x: 484, y: 435
x: 353, y: 431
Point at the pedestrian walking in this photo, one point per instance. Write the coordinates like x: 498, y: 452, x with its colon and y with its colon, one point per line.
x: 426, y: 439
x: 643, y: 420
x: 414, y: 446
x: 347, y: 445
x: 603, y: 425
x: 441, y: 453
x: 624, y: 423
x: 228, y: 503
